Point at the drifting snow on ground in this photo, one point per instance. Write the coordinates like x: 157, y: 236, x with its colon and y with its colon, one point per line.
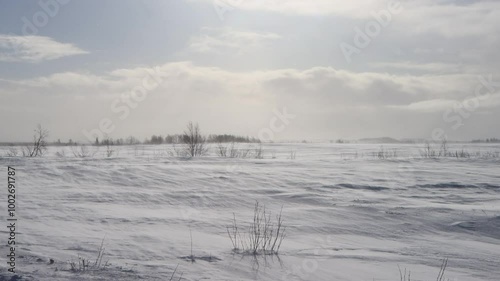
x: 349, y: 215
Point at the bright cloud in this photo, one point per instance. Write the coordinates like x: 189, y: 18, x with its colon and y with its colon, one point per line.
x: 34, y: 49
x: 220, y: 40
x: 300, y: 7
x: 447, y: 18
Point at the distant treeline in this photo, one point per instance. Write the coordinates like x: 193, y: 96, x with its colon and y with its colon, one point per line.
x: 155, y: 139
x: 231, y: 138
x: 492, y: 140
x: 177, y: 139
x: 174, y: 139
x: 109, y: 141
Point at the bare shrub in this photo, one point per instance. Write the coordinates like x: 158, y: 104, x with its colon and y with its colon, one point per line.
x: 109, y: 143
x: 12, y: 152
x: 244, y: 153
x: 221, y: 150
x: 385, y: 154
x: 194, y: 142
x: 233, y: 150
x: 461, y: 154
x: 81, y: 265
x: 263, y: 236
x: 39, y: 145
x: 109, y: 150
x: 83, y: 151
x: 444, y: 151
x: 86, y: 265
x: 428, y: 151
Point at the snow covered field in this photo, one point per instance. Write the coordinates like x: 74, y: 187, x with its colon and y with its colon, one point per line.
x: 349, y: 215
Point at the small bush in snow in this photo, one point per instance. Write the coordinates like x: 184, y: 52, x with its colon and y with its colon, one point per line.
x: 263, y: 237
x: 85, y: 265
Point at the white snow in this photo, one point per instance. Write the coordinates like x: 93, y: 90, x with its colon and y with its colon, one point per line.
x: 347, y: 218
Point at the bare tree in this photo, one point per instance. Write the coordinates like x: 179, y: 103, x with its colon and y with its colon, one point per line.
x: 194, y: 141
x: 39, y: 145
x: 109, y: 143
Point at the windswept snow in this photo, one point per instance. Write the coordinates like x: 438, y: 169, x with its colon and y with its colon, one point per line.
x: 349, y: 215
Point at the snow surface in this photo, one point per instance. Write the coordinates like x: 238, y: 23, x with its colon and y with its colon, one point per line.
x: 349, y: 215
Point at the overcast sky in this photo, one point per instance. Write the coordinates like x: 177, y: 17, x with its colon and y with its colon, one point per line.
x: 343, y: 69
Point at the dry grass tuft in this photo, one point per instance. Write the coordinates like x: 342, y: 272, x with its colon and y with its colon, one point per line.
x: 263, y: 236
x: 85, y: 265
x: 405, y: 275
